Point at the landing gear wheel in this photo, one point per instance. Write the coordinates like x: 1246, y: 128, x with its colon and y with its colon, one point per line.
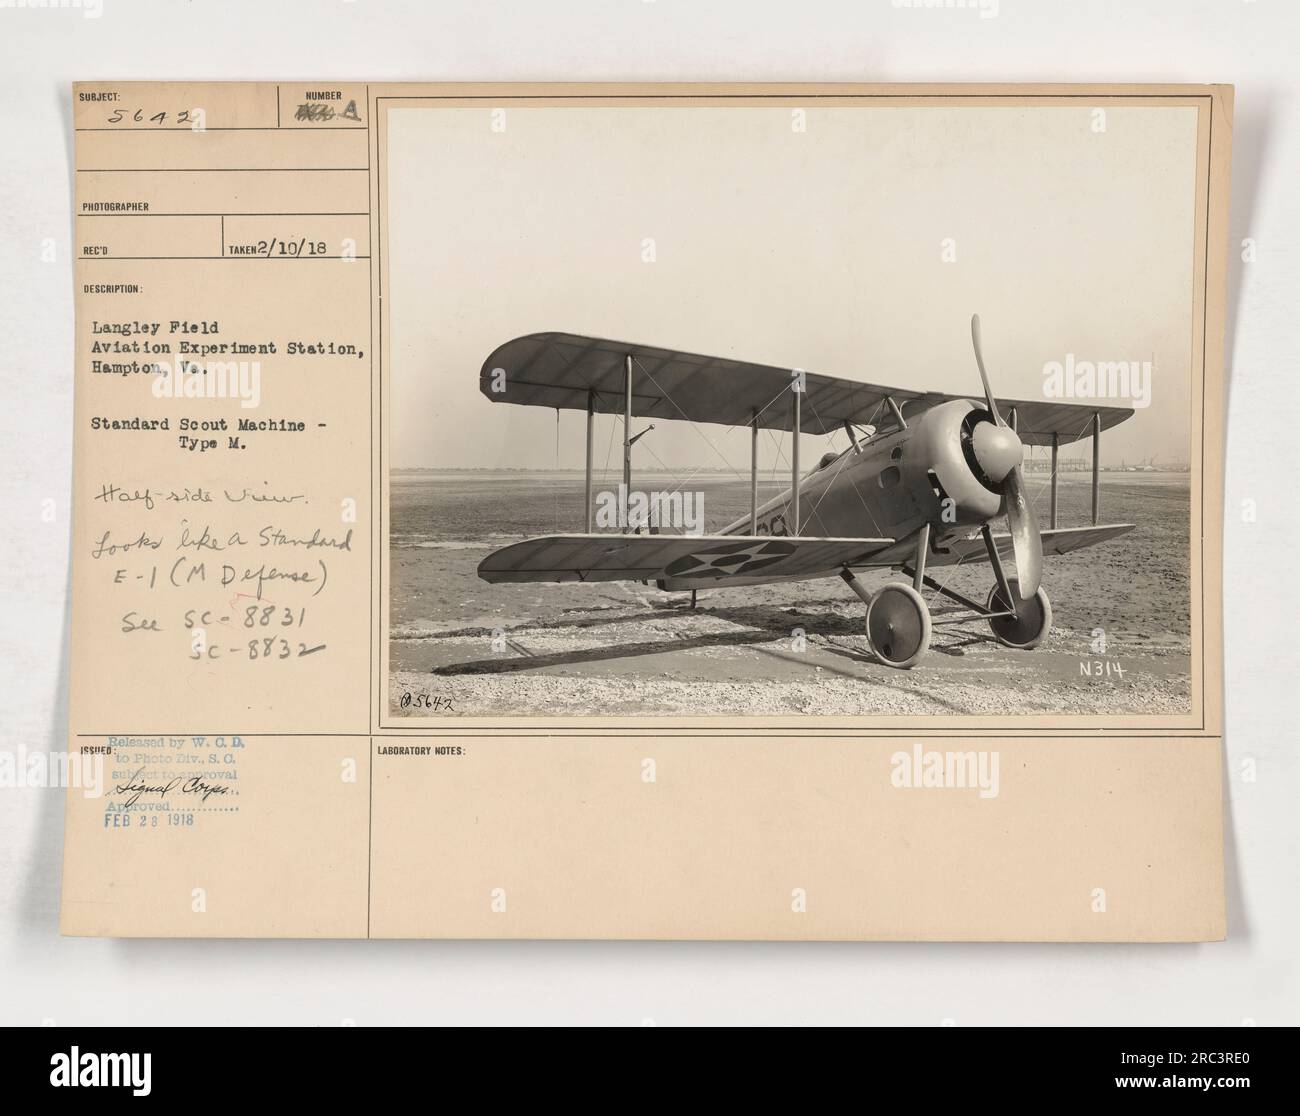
x: 1031, y: 623
x: 898, y: 625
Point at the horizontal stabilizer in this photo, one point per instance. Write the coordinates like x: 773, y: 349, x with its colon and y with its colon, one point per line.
x: 1061, y: 540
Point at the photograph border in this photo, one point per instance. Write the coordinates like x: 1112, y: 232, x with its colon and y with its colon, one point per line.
x: 1205, y: 434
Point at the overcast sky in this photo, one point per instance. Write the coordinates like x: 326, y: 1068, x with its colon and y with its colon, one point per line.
x: 819, y: 249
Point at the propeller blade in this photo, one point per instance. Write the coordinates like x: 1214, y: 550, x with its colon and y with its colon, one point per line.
x: 979, y: 360
x: 1025, y: 539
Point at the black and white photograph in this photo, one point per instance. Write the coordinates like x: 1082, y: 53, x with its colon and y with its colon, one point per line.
x: 791, y: 408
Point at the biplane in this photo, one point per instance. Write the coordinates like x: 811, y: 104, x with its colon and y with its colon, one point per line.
x: 924, y: 477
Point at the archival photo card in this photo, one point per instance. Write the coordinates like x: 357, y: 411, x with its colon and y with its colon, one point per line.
x: 647, y: 511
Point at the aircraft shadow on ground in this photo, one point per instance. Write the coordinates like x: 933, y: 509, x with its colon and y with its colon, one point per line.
x: 601, y: 654
x: 756, y: 624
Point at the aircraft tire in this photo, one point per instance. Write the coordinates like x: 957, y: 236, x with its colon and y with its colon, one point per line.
x: 898, y: 626
x: 1029, y: 627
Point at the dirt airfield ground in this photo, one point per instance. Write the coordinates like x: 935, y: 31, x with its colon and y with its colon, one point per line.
x: 469, y: 648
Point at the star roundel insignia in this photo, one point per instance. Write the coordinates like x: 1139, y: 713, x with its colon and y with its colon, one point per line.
x: 731, y: 560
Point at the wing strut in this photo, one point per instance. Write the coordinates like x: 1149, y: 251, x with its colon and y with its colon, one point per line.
x: 1096, y: 467
x: 1056, y: 453
x: 797, y: 392
x: 753, y: 476
x: 591, y: 411
x: 853, y: 436
x: 898, y: 412
x: 627, y: 434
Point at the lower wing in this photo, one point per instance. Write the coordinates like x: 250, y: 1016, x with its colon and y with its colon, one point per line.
x: 1059, y: 541
x: 706, y: 560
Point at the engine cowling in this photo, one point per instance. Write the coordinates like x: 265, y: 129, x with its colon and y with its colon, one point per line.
x: 969, y: 455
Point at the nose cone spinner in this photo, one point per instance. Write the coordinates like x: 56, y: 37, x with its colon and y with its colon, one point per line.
x: 997, y: 449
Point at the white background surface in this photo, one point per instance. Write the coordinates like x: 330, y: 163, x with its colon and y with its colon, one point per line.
x: 1252, y: 976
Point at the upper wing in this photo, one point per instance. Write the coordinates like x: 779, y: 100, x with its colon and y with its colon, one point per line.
x: 565, y: 370
x: 710, y: 559
x: 1059, y: 541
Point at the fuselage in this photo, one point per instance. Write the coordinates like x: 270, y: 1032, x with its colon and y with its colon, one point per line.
x: 890, y: 486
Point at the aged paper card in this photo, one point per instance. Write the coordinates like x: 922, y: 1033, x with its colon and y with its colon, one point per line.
x: 648, y: 511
